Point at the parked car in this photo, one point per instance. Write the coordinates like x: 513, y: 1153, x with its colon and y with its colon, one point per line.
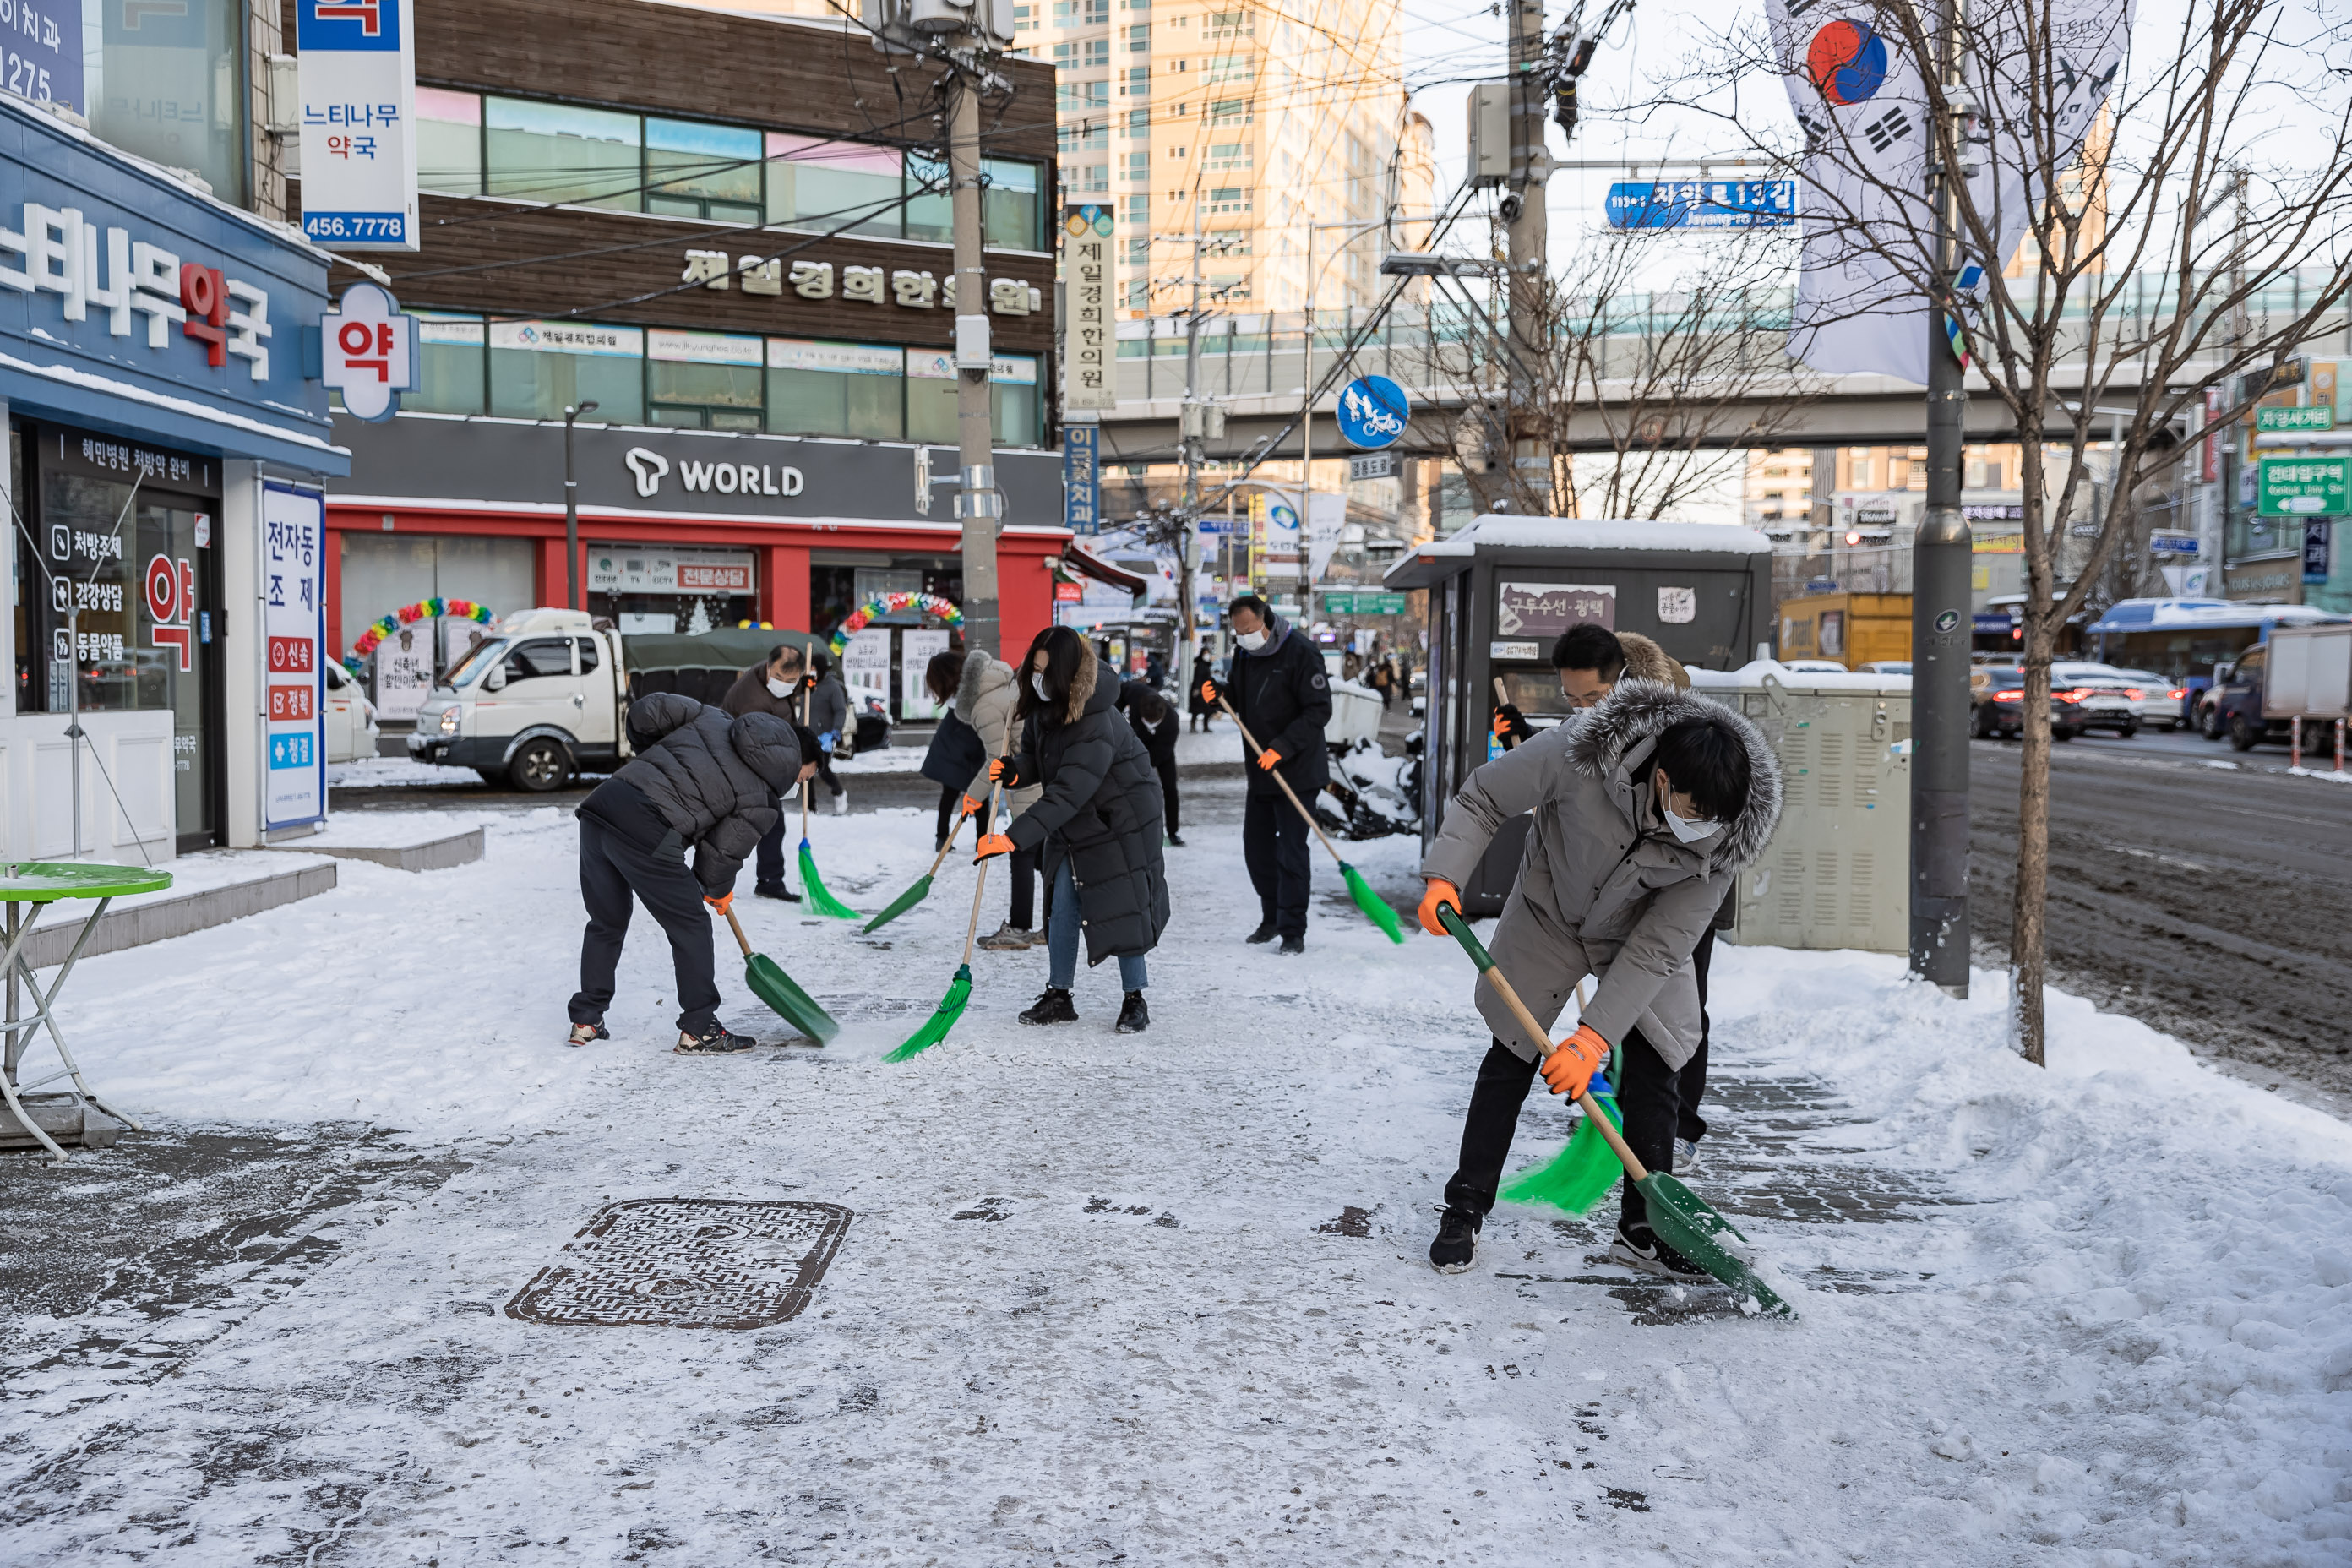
x: 350, y: 717
x: 1887, y: 667
x: 1997, y: 706
x: 2102, y: 696
x: 2160, y: 700
x: 1814, y: 666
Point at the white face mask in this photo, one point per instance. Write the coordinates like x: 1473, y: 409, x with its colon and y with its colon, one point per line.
x: 1252, y: 641
x: 1038, y: 684
x: 779, y: 688
x: 1692, y: 829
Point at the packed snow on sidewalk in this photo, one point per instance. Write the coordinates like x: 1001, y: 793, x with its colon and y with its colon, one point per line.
x: 1164, y: 1299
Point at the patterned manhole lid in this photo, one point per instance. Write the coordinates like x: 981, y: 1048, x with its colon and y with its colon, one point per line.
x: 688, y: 1263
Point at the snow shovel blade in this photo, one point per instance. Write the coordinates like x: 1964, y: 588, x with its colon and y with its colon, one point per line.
x: 767, y: 980
x: 936, y: 1028
x: 1374, y: 907
x: 1684, y: 1222
x: 902, y: 904
x: 1583, y: 1172
x: 819, y: 898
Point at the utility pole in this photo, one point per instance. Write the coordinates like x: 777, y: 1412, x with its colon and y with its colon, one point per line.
x: 1523, y: 212
x: 571, y: 507
x: 1200, y: 422
x: 979, y: 508
x: 1941, y: 622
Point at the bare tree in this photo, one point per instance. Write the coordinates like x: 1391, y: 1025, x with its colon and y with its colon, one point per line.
x: 2183, y: 196
x: 1646, y: 397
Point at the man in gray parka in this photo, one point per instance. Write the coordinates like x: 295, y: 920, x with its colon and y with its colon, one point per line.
x: 1644, y: 808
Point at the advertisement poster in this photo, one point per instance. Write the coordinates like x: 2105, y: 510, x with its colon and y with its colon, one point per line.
x: 403, y: 672
x: 866, y: 668
x: 357, y: 81
x: 1548, y: 609
x: 917, y: 647
x: 293, y: 629
x: 461, y: 637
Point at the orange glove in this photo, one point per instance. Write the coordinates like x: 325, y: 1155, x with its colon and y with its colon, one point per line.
x: 1002, y: 770
x: 994, y: 843
x: 970, y: 806
x: 722, y: 903
x: 1209, y: 692
x: 1570, y: 1067
x: 1268, y: 759
x: 1441, y: 891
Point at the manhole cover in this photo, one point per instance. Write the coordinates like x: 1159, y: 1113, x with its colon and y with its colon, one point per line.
x: 688, y: 1263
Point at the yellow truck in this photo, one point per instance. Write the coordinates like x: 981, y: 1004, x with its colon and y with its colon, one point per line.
x: 1852, y: 629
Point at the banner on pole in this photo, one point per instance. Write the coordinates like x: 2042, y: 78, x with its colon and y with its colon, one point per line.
x: 357, y: 80
x: 1088, y: 364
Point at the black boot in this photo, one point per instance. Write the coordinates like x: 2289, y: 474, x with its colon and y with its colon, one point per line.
x: 1264, y: 932
x: 1134, y: 1017
x: 1293, y: 945
x: 1457, y: 1240
x: 1053, y: 1008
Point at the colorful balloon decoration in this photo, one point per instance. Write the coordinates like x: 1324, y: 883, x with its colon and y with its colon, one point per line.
x: 891, y: 604
x: 409, y: 614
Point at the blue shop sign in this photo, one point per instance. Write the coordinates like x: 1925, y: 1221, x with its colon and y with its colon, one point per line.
x: 131, y: 304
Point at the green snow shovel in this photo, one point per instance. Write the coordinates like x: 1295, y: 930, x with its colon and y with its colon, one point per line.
x: 1376, y: 908
x: 1682, y: 1219
x: 1586, y: 1168
x: 767, y: 981
x: 922, y: 887
x: 819, y: 898
x: 934, y: 1029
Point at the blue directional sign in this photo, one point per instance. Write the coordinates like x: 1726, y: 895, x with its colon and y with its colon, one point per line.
x: 1082, y: 478
x: 1372, y: 412
x: 1703, y: 204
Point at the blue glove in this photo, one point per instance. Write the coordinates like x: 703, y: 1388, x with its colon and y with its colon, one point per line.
x: 828, y: 738
x: 1600, y: 1087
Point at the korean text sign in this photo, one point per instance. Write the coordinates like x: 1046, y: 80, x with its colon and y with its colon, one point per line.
x: 358, y: 122
x: 1088, y: 361
x: 1082, y: 478
x: 293, y: 630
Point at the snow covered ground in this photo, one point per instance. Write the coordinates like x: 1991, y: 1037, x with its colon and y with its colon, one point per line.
x: 1164, y: 1299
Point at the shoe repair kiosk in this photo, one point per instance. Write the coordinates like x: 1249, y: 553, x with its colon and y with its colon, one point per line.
x: 1503, y: 589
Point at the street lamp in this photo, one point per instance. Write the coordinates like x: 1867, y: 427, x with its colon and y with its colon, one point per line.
x: 571, y: 414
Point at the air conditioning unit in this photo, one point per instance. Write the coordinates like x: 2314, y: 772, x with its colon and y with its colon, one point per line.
x: 1837, y: 871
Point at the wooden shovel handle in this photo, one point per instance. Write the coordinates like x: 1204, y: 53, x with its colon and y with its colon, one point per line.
x: 978, y: 883
x: 737, y: 927
x: 1278, y: 778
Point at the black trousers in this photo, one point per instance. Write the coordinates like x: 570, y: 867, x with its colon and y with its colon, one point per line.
x: 1273, y: 844
x: 1658, y: 1105
x: 1022, y: 863
x: 824, y: 769
x: 612, y: 869
x: 768, y: 860
x: 1167, y: 797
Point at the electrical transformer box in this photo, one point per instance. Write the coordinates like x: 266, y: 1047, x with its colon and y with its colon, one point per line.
x: 1836, y: 873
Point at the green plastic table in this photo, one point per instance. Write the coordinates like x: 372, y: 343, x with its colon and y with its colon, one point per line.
x: 27, y: 888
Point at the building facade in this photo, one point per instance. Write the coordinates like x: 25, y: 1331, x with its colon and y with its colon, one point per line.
x: 733, y: 260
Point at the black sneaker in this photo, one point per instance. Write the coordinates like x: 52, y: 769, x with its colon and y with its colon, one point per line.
x: 1457, y: 1240
x: 1292, y: 945
x: 586, y: 1033
x: 718, y: 1042
x: 1134, y: 1017
x: 1176, y: 841
x: 1640, y: 1250
x: 1263, y: 933
x: 774, y: 890
x: 1053, y: 1008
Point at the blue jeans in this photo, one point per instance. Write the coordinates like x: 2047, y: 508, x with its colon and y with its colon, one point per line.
x: 1061, y: 939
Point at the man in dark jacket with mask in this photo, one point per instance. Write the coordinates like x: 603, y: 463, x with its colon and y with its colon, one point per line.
x: 700, y: 781
x: 1278, y: 688
x: 771, y: 688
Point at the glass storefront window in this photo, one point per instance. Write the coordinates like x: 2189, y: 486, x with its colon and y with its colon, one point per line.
x: 1013, y: 400
x: 168, y: 83
x: 450, y: 364
x: 835, y: 389
x: 932, y: 396
x: 708, y: 381
x: 816, y: 181
x: 1009, y: 212
x: 706, y: 171
x: 561, y: 153
x: 930, y: 214
x: 448, y: 141
x: 538, y: 368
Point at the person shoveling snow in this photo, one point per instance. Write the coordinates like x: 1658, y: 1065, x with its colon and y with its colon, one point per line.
x: 702, y: 781
x: 1645, y: 807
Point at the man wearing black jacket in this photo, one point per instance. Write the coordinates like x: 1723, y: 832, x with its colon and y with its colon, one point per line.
x: 701, y: 782
x: 1278, y: 688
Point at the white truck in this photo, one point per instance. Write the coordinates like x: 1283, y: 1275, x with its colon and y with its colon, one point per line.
x: 544, y: 697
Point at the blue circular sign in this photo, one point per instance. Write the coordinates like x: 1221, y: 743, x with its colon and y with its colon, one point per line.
x: 1372, y: 412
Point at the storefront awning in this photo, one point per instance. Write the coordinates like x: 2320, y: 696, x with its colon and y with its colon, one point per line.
x: 1075, y: 564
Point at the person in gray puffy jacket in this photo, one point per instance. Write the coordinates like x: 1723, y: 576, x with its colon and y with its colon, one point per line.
x: 1644, y: 808
x: 703, y: 782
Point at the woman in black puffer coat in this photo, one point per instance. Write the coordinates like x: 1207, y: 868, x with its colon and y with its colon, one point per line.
x: 1097, y: 823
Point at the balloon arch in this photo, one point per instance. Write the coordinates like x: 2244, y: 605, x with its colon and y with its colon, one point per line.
x: 891, y: 604
x: 409, y: 614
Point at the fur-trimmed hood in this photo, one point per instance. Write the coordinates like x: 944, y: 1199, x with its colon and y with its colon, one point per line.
x: 1086, y: 685
x: 1636, y: 713
x: 983, y: 672
x: 1645, y: 660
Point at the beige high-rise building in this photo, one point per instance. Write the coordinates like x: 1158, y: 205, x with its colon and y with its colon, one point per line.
x: 1242, y: 122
